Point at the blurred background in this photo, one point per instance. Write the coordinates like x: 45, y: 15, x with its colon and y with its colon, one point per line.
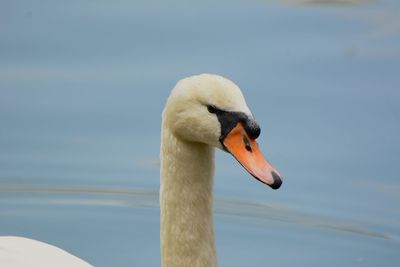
x: 83, y: 84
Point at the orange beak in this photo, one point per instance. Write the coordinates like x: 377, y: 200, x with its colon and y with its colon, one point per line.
x: 249, y: 155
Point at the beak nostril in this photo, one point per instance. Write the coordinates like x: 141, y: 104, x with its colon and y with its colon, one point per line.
x: 247, y: 144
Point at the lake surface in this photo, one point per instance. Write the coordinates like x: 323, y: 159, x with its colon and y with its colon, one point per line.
x: 82, y: 86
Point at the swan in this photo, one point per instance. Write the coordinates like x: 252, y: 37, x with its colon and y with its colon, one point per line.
x: 203, y: 112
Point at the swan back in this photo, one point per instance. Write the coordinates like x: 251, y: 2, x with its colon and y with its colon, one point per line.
x: 24, y: 252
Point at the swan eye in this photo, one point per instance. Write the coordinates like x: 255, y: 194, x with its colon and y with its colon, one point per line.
x: 211, y: 109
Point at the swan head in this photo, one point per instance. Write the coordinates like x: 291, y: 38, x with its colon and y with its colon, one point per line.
x: 211, y: 110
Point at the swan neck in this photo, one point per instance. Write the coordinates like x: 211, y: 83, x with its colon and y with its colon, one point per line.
x: 186, y: 202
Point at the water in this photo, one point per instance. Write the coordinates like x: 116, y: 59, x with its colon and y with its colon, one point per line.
x: 82, y: 86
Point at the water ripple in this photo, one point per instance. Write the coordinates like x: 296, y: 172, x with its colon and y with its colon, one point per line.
x: 253, y: 211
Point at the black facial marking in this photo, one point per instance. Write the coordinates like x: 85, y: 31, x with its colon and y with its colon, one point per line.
x: 229, y: 119
x: 252, y: 128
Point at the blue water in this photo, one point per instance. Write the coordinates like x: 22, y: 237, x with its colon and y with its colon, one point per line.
x: 82, y: 86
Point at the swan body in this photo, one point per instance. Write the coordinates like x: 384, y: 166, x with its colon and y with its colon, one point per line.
x: 203, y: 112
x: 23, y: 252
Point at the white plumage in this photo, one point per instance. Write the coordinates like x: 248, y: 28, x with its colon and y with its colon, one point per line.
x: 24, y: 252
